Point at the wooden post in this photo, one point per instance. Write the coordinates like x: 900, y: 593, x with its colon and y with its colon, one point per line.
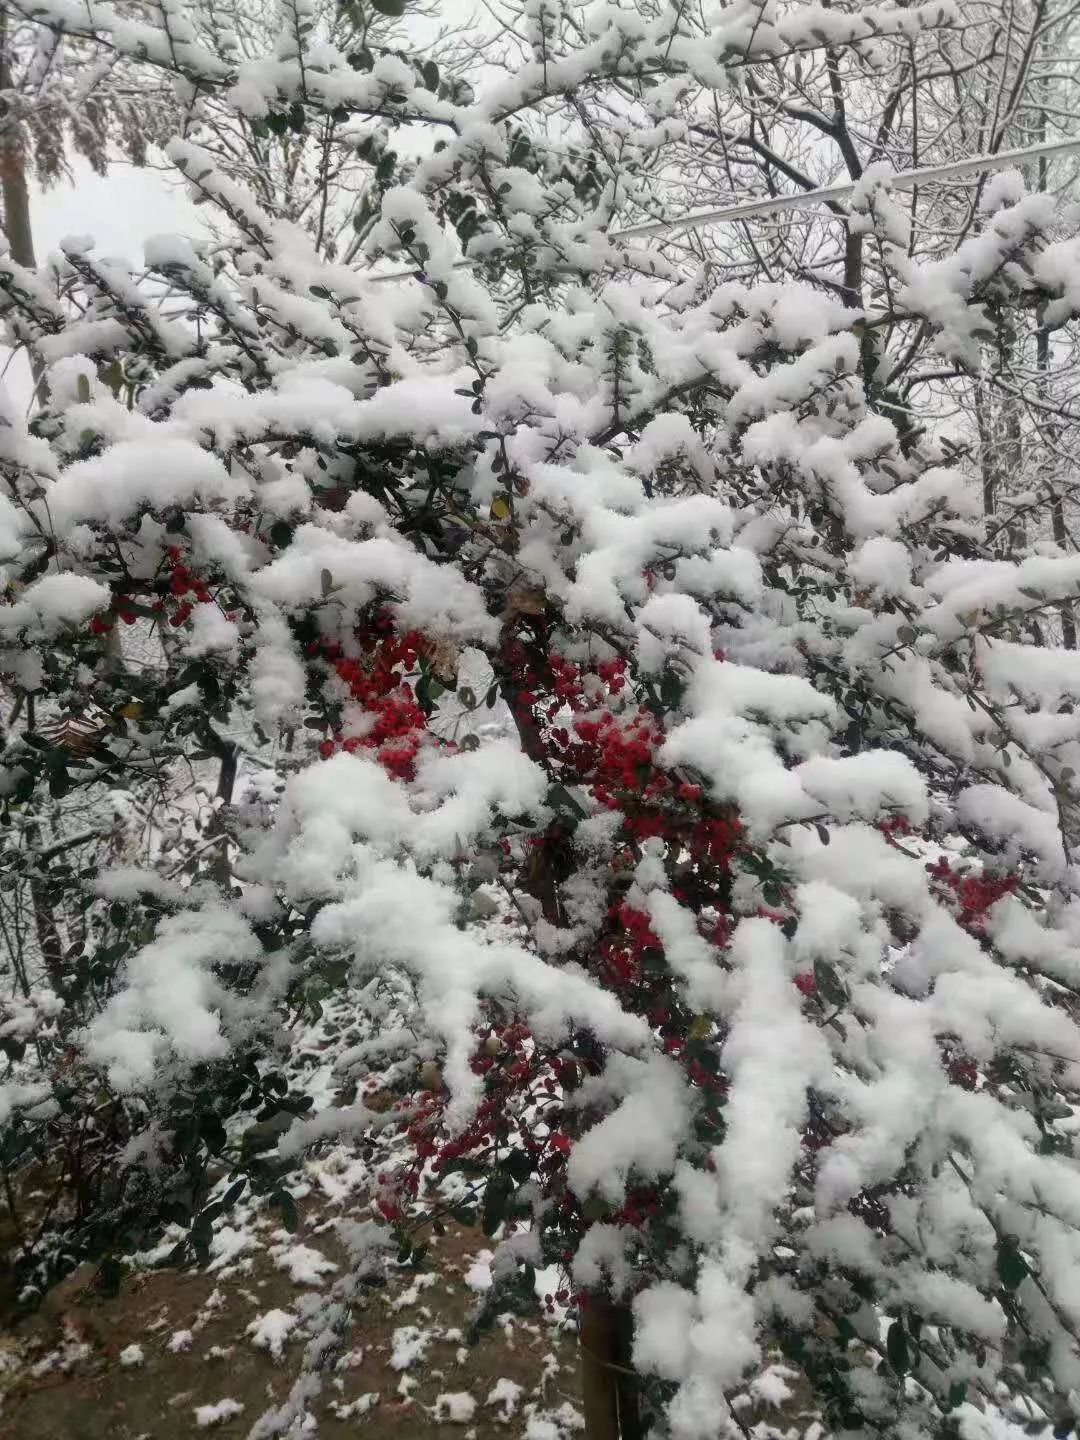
x: 600, y: 1394
x: 626, y: 1380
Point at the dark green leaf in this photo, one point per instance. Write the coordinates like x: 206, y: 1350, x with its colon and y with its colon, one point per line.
x: 957, y: 1391
x: 898, y: 1349
x: 233, y: 1193
x: 496, y: 1198
x: 212, y: 1131
x: 110, y: 1272
x: 519, y: 1166
x: 830, y: 986
x: 564, y: 804
x: 1012, y: 1268
x: 284, y: 1202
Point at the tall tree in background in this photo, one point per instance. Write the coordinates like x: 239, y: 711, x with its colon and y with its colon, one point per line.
x: 60, y: 94
x: 598, y: 667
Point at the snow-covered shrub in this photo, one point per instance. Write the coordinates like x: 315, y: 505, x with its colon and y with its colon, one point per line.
x: 578, y: 666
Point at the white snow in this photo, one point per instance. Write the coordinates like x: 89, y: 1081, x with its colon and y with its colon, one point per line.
x: 271, y: 1330
x: 458, y: 1407
x: 217, y: 1413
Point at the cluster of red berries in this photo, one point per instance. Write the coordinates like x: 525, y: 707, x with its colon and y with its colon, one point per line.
x: 963, y: 1071
x: 183, y: 583
x: 973, y: 893
x: 894, y: 825
x: 103, y: 624
x: 615, y: 751
x: 375, y: 679
x: 186, y: 589
x: 623, y: 948
x: 585, y: 723
x: 521, y: 1105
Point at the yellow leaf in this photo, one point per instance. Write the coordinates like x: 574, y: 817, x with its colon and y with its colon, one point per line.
x: 132, y: 710
x: 699, y: 1028
x: 501, y: 509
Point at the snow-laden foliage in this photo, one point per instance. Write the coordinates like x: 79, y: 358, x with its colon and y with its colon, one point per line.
x: 592, y: 678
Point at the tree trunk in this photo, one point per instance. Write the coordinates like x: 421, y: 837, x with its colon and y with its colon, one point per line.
x: 13, y: 187
x: 1042, y: 362
x: 609, y: 1386
x: 15, y: 195
x: 626, y: 1381
x: 16, y: 198
x: 599, y: 1385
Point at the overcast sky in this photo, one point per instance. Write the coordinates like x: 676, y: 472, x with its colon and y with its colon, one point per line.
x: 119, y: 210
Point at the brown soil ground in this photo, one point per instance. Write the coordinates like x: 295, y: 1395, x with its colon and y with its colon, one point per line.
x: 96, y: 1397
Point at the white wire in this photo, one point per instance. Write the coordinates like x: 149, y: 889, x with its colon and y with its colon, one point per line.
x: 905, y: 180
x: 826, y: 195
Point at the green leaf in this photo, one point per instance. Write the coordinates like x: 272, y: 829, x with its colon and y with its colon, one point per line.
x: 281, y: 534
x: 393, y: 8
x: 176, y: 1213
x: 519, y: 1165
x: 212, y: 1131
x: 59, y: 779
x: 564, y: 804
x: 957, y: 1391
x: 82, y: 389
x: 496, y: 1198
x: 829, y: 984
x: 672, y: 690
x: 907, y: 635
x: 897, y: 1348
x: 283, y: 1201
x: 112, y: 376
x: 110, y: 1272
x: 200, y: 1235
x: 1012, y: 1268
x: 233, y: 1193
